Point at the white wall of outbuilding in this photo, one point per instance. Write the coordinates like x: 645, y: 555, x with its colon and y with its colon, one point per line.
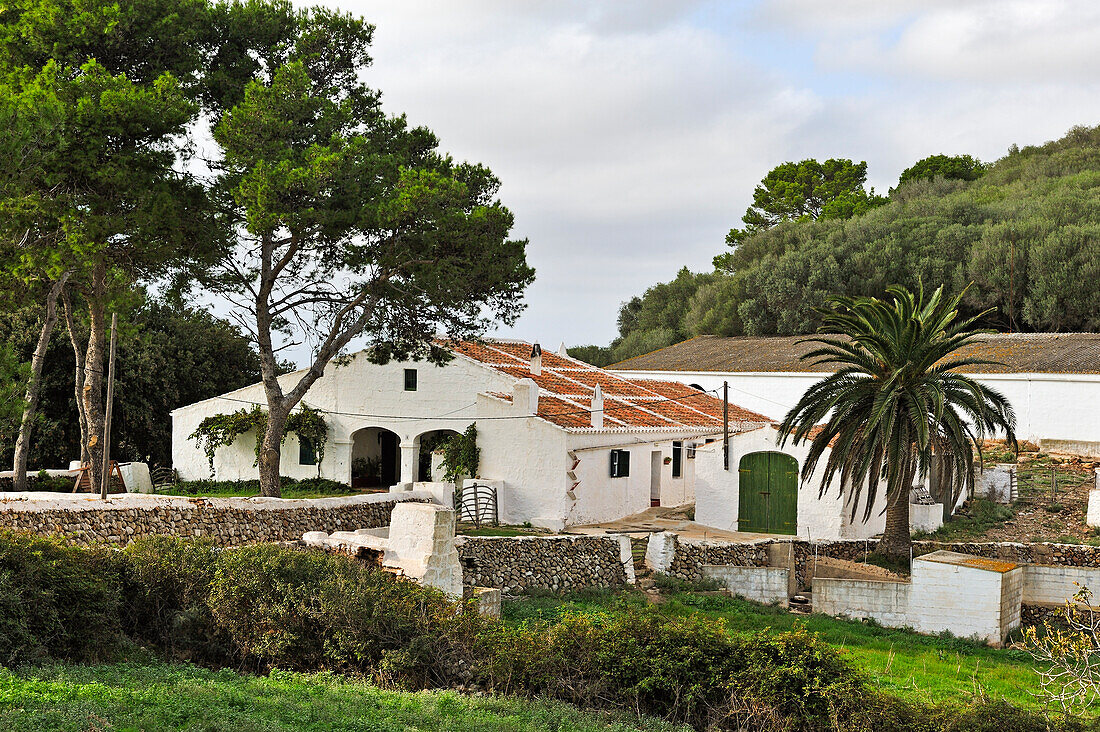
x: 1059, y: 407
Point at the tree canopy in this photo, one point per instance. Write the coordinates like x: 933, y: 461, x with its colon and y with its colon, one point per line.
x: 951, y: 167
x: 806, y: 190
x: 346, y: 223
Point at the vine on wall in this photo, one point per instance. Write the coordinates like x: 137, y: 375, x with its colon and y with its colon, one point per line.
x: 461, y: 455
x: 219, y: 430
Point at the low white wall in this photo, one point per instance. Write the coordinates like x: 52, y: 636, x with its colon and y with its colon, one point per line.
x: 995, y: 483
x: 1047, y: 584
x: 958, y: 595
x: 761, y: 584
x: 925, y: 517
x: 885, y: 602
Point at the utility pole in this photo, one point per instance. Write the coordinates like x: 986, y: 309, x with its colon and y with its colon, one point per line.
x: 106, y: 474
x: 725, y: 425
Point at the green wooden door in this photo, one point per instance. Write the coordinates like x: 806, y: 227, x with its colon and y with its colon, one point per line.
x: 768, y: 493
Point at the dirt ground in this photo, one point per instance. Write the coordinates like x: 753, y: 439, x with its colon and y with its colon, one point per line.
x: 1053, y: 499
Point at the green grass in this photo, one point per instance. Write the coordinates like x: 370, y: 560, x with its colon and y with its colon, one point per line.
x: 291, y: 488
x: 981, y: 516
x: 914, y: 666
x: 183, y: 697
x: 468, y: 529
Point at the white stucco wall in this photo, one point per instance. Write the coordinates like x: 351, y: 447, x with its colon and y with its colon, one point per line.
x: 357, y: 391
x: 965, y: 600
x: 1055, y: 584
x: 818, y: 518
x: 1048, y: 406
x: 760, y: 584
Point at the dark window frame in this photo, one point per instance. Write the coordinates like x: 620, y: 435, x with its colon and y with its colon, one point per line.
x: 677, y: 459
x: 620, y: 463
x: 306, y: 454
x: 410, y: 380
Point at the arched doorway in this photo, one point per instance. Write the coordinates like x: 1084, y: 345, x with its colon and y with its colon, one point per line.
x: 428, y: 467
x: 767, y: 495
x: 375, y: 458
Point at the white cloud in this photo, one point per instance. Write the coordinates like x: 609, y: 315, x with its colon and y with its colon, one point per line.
x: 629, y: 135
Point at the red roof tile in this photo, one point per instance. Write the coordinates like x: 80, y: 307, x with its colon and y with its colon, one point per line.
x: 566, y: 387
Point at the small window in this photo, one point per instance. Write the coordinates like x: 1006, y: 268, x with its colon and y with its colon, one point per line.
x: 306, y: 454
x: 620, y: 463
x: 677, y: 459
x: 410, y: 379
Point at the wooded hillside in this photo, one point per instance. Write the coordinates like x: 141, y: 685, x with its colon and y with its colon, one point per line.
x: 1025, y: 235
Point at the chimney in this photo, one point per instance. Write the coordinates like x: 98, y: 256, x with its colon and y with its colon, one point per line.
x: 597, y: 408
x: 536, y: 359
x: 525, y: 396
x: 563, y: 351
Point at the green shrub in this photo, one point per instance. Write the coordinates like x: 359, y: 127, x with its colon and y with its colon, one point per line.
x: 167, y: 588
x: 299, y: 609
x: 42, y: 482
x: 56, y: 600
x: 684, y: 669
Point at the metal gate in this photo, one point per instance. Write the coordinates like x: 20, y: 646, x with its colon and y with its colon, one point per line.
x: 767, y: 493
x: 477, y: 504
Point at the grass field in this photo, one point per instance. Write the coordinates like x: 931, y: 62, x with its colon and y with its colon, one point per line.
x: 926, y: 668
x: 181, y: 697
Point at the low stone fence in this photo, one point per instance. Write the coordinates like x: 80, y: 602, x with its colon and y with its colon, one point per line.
x: 227, y: 521
x: 683, y: 559
x: 521, y: 564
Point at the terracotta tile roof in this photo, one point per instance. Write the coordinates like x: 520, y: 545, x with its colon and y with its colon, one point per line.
x: 566, y: 387
x: 1043, y: 353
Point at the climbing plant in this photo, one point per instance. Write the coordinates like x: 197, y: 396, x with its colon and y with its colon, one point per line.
x: 220, y: 430
x: 461, y: 455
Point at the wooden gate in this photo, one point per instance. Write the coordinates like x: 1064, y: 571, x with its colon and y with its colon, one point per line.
x: 768, y: 493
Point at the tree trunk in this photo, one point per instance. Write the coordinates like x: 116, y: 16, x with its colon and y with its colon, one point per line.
x: 93, y: 373
x: 30, y: 406
x: 896, y: 539
x: 270, y: 453
x: 78, y: 381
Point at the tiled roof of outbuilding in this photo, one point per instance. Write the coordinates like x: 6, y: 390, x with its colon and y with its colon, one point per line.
x: 1036, y: 353
x: 566, y: 387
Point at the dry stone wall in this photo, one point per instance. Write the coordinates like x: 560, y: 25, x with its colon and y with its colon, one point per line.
x: 522, y: 564
x: 227, y: 521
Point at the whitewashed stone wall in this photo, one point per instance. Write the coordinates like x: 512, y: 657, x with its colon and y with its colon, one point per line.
x: 419, y: 543
x: 965, y: 595
x: 885, y: 602
x: 1092, y: 517
x: 995, y: 483
x: 1044, y: 584
x: 761, y: 584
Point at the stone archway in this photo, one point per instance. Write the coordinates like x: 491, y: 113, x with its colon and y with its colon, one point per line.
x: 375, y: 458
x: 429, y: 441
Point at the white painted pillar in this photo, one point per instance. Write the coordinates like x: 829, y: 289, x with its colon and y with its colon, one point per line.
x: 410, y: 456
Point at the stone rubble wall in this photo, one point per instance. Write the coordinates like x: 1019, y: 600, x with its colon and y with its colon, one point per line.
x: 227, y: 521
x: 522, y: 564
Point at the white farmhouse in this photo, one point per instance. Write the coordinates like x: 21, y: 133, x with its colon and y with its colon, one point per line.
x: 563, y: 442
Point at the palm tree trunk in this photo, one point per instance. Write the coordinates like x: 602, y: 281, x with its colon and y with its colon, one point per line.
x: 897, y: 541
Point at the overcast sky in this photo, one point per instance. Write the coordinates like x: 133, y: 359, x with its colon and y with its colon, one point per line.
x: 629, y: 135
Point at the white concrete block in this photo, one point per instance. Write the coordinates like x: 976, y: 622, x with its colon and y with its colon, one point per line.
x: 660, y: 551
x: 1092, y: 517
x: 925, y: 517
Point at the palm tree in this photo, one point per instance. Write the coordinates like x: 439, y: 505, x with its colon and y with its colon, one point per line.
x: 896, y: 400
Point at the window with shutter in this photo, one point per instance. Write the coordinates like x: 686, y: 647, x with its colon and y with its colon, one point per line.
x: 677, y: 459
x: 620, y: 463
